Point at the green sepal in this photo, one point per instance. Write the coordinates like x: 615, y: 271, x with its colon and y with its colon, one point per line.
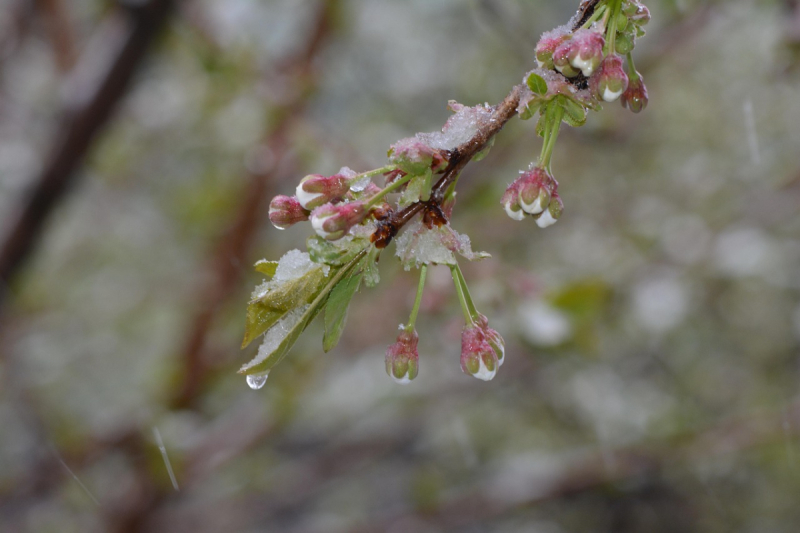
x: 314, y: 308
x: 536, y: 83
x: 574, y: 113
x: 337, y: 304
x: 485, y: 151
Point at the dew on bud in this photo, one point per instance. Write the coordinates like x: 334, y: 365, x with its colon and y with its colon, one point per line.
x: 256, y: 381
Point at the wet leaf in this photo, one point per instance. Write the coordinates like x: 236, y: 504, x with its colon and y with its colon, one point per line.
x: 261, y: 364
x: 536, y: 83
x: 337, y: 305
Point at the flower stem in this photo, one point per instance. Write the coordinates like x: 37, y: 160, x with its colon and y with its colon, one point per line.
x: 611, y: 35
x: 370, y: 173
x: 423, y: 271
x: 473, y: 311
x: 633, y: 74
x: 462, y: 298
x: 595, y: 17
x: 396, y: 184
x: 552, y: 118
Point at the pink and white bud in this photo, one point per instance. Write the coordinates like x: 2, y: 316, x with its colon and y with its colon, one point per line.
x: 610, y: 81
x: 493, y: 338
x: 561, y: 60
x: 635, y: 96
x: 553, y: 212
x: 510, y: 202
x: 547, y: 44
x: 316, y: 189
x: 535, y: 189
x: 639, y: 15
x: 585, y: 51
x: 402, y: 357
x: 478, y: 358
x: 333, y: 221
x: 285, y: 211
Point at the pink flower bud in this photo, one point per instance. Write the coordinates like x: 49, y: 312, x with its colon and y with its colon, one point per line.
x: 561, y: 59
x: 333, y: 221
x: 413, y: 156
x: 493, y: 338
x: 635, y: 96
x: 535, y: 188
x: 316, y: 189
x: 478, y: 358
x: 402, y: 357
x: 285, y: 211
x: 610, y: 81
x: 639, y: 14
x: 553, y: 212
x: 510, y: 202
x: 547, y: 44
x: 585, y: 51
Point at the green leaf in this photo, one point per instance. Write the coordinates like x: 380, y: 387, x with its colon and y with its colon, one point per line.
x: 336, y: 308
x: 265, y: 267
x: 536, y: 83
x: 337, y: 253
x: 264, y: 311
x: 259, y: 364
x: 483, y: 153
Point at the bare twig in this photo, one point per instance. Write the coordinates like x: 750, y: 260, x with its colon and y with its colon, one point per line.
x: 61, y: 34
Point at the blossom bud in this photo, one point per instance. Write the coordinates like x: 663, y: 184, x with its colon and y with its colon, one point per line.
x: 535, y: 188
x: 635, y: 96
x: 316, y: 189
x: 493, y: 338
x: 402, y: 357
x: 510, y: 202
x: 610, y: 81
x: 333, y: 221
x: 413, y: 156
x: 546, y: 46
x: 553, y: 212
x: 285, y: 211
x: 478, y: 358
x: 561, y: 59
x: 585, y: 51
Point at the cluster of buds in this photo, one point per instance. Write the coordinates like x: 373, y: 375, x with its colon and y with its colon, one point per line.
x: 402, y: 357
x: 482, y: 349
x: 534, y: 193
x: 595, y: 52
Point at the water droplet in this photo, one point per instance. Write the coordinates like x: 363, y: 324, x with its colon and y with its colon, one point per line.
x: 256, y: 381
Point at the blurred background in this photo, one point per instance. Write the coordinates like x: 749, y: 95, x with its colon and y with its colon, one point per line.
x: 653, y: 334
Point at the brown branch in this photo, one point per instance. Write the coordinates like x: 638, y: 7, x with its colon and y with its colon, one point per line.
x: 126, y: 44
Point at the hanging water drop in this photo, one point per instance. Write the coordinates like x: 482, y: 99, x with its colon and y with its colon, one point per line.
x: 256, y: 381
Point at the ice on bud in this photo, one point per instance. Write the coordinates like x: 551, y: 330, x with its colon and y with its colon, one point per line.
x: 547, y: 44
x: 316, y: 189
x: 413, y: 156
x: 402, y: 357
x: 635, y: 96
x: 510, y: 202
x: 584, y: 51
x: 610, y: 81
x: 333, y: 221
x: 285, y: 211
x: 553, y: 213
x: 478, y: 358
